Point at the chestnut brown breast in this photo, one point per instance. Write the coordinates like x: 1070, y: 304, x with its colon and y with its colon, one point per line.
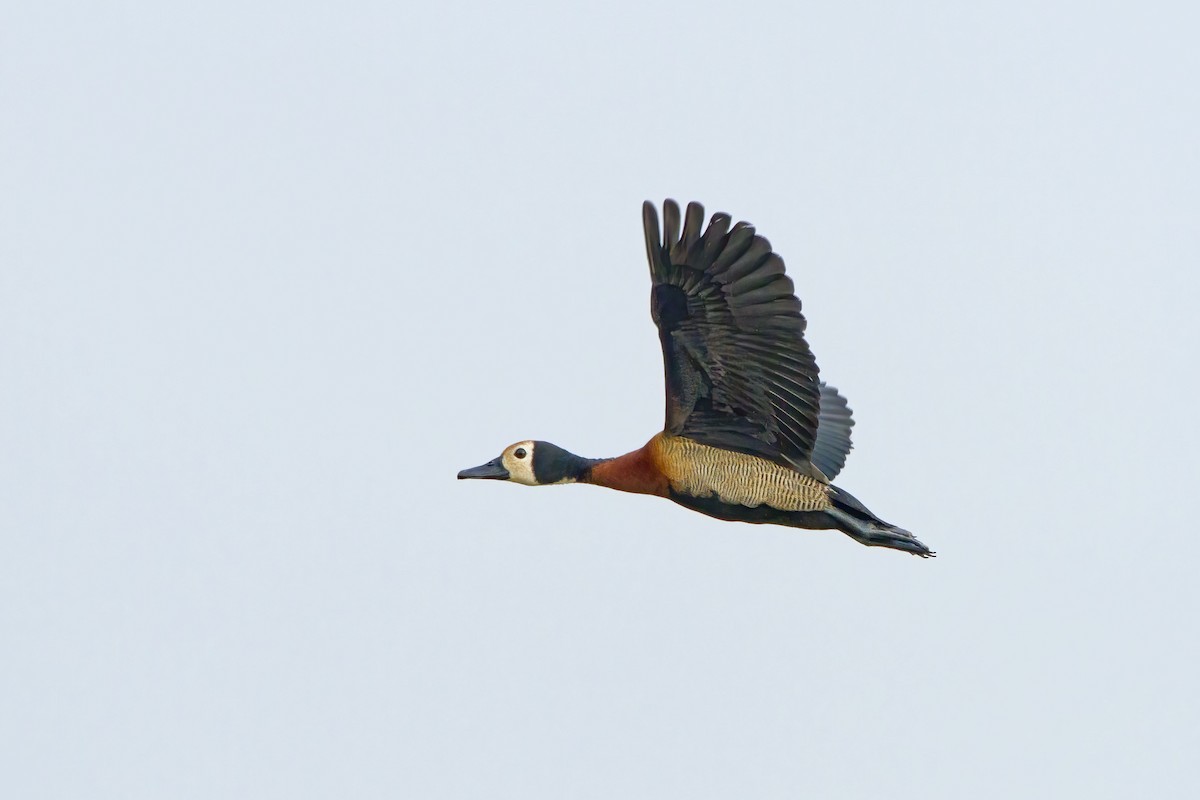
x: 636, y: 472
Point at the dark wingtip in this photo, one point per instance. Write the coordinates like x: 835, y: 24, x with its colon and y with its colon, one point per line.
x: 653, y: 240
x: 671, y: 222
x: 693, y: 225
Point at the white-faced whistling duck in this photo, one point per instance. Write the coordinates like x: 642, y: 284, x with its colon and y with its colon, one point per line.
x: 751, y: 434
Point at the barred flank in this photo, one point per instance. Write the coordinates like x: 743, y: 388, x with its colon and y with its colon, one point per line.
x: 701, y: 471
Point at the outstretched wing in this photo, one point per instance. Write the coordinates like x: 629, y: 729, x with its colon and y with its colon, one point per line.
x: 833, y: 433
x: 739, y: 374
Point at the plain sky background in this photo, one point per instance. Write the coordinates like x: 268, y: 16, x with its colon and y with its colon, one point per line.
x: 271, y: 273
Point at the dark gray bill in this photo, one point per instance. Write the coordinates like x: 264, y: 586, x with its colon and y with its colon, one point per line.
x: 493, y: 470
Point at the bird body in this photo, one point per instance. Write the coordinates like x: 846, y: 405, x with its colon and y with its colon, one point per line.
x: 735, y: 479
x: 750, y: 434
x: 675, y: 465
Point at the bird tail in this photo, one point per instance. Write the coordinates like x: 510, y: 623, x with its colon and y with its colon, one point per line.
x: 856, y: 521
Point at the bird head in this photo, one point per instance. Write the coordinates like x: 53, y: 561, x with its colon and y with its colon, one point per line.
x: 532, y: 463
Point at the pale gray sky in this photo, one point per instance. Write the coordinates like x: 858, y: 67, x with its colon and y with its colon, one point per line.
x: 271, y: 273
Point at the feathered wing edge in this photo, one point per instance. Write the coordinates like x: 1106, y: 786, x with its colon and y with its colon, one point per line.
x: 729, y: 318
x: 833, y: 433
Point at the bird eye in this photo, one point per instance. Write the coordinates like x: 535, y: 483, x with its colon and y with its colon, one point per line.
x: 519, y: 452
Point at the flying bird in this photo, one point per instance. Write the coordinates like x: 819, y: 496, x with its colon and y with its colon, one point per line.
x: 751, y: 433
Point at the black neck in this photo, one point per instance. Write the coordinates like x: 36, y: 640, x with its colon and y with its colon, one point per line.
x: 552, y: 464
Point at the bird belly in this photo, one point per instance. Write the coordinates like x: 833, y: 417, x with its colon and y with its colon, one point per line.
x: 700, y: 471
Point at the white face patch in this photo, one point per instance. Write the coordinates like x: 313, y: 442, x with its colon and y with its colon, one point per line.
x: 518, y: 460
